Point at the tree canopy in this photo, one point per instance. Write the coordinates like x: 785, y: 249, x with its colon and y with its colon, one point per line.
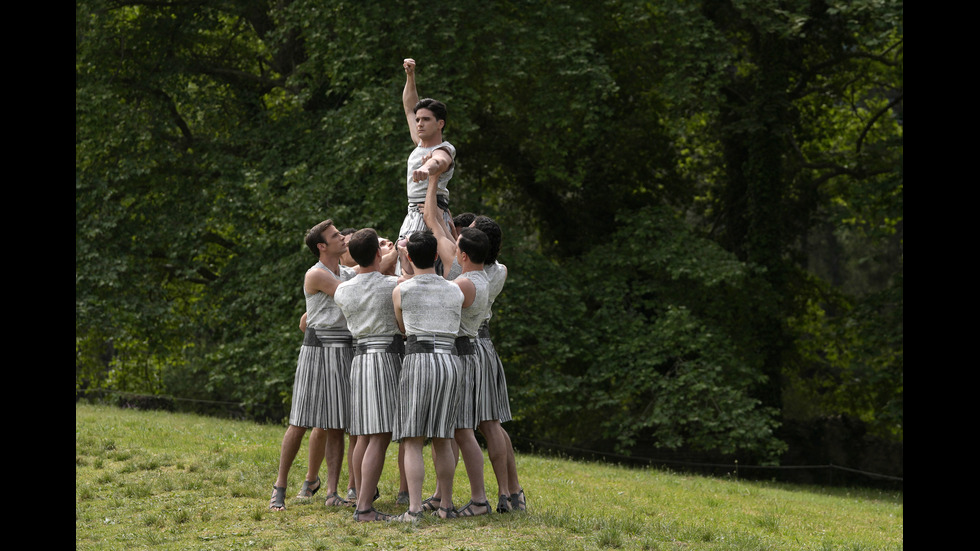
x: 701, y: 201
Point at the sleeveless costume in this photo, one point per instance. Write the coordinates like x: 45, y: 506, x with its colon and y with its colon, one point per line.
x: 321, y: 388
x: 474, y: 364
x: 366, y: 302
x: 413, y: 221
x: 429, y: 383
x: 497, y: 398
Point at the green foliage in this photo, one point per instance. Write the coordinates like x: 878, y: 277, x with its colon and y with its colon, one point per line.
x: 678, y: 182
x: 653, y: 343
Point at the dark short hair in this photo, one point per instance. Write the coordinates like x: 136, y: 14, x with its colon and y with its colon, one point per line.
x: 314, y: 236
x: 463, y: 220
x: 348, y: 231
x: 474, y: 243
x: 489, y: 227
x: 422, y: 248
x: 437, y: 107
x: 363, y: 246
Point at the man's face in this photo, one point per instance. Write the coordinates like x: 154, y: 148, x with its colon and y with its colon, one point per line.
x: 333, y: 241
x: 426, y: 124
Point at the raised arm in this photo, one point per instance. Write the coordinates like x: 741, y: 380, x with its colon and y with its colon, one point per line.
x: 410, y: 97
x: 433, y: 220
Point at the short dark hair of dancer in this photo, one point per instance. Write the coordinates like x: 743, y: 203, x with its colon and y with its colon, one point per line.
x: 489, y: 227
x: 463, y: 220
x: 363, y: 247
x: 314, y: 236
x: 437, y: 107
x: 475, y: 244
x: 422, y: 248
x: 348, y: 231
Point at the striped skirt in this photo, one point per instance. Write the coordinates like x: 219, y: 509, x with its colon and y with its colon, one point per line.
x: 321, y: 389
x: 468, y: 368
x: 414, y: 221
x: 374, y: 385
x: 428, y: 395
x: 495, y: 400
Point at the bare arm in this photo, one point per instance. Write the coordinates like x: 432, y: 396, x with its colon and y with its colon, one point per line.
x: 302, y: 323
x: 410, y: 97
x: 396, y: 299
x: 469, y: 290
x: 388, y: 257
x: 433, y: 220
x: 320, y: 280
x: 434, y: 164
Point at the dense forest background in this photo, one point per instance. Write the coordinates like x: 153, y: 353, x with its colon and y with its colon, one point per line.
x: 702, y: 200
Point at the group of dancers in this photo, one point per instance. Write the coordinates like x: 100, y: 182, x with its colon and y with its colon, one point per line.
x: 397, y: 347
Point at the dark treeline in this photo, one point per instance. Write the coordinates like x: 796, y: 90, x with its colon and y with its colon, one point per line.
x: 702, y: 200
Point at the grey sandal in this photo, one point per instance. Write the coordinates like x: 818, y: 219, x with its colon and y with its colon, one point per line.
x: 306, y: 492
x: 450, y: 513
x: 503, y: 504
x: 431, y: 503
x: 519, y: 501
x: 278, y: 501
x: 334, y: 500
x: 377, y: 515
x: 467, y: 510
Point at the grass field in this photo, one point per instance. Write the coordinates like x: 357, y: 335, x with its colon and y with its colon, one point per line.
x: 172, y: 481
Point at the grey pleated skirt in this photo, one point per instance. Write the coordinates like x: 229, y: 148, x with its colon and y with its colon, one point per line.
x: 492, y: 382
x: 468, y: 368
x: 321, y: 388
x: 428, y: 396
x: 374, y: 386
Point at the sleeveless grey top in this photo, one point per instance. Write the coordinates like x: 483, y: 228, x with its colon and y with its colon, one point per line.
x: 496, y: 275
x: 416, y: 190
x: 476, y: 313
x: 321, y: 310
x: 430, y: 305
x: 365, y: 301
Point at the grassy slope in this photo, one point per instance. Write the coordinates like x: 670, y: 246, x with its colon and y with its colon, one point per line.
x: 166, y: 481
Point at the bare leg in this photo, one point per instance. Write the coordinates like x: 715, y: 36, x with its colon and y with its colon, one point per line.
x: 335, y: 458
x: 414, y: 472
x: 402, y: 481
x: 291, y: 442
x: 497, y: 446
x: 473, y: 461
x: 353, y: 466
x: 445, y: 470
x: 373, y: 462
x: 515, y: 485
x: 438, y: 493
x: 318, y: 440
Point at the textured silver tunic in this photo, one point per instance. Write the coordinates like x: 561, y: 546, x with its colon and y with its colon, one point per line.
x: 497, y: 403
x: 414, y: 221
x: 366, y: 303
x: 473, y: 366
x: 429, y: 383
x: 321, y: 387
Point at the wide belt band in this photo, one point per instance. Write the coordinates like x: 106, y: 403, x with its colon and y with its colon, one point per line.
x: 334, y: 338
x: 430, y: 344
x: 465, y: 346
x: 380, y: 344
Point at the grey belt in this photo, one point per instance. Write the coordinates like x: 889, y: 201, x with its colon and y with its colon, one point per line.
x: 380, y: 344
x: 334, y: 338
x: 465, y: 346
x: 430, y: 344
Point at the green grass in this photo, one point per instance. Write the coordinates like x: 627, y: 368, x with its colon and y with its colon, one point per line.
x: 167, y: 481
